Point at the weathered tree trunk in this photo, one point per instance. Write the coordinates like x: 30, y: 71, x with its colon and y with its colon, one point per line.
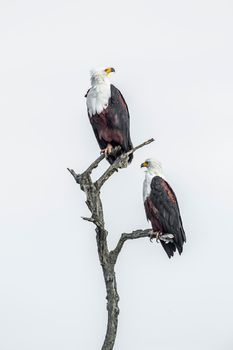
x: 111, y: 288
x: 107, y: 259
x: 112, y: 307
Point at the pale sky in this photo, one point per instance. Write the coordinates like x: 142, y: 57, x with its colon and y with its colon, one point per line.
x: 173, y: 62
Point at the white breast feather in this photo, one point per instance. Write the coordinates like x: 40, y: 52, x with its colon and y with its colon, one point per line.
x: 146, y: 186
x: 98, y: 97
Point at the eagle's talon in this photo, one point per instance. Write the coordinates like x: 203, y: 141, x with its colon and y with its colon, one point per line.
x: 107, y: 150
x: 156, y: 236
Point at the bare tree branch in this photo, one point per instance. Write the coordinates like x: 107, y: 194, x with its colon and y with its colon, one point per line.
x: 94, y: 164
x: 107, y: 259
x: 75, y: 176
x: 141, y: 145
x: 87, y: 219
x: 126, y: 236
x: 120, y: 162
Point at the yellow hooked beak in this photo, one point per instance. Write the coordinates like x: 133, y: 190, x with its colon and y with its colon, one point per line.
x: 109, y: 70
x: 145, y: 164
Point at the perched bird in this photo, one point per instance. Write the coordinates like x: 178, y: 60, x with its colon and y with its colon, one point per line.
x: 162, y: 209
x: 109, y: 115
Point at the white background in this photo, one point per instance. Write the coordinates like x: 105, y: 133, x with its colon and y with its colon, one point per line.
x: 173, y: 62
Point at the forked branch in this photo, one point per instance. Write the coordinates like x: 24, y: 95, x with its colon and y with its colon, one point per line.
x: 120, y: 162
x: 107, y: 259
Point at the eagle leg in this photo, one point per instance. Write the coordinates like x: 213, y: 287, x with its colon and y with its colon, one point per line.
x: 107, y: 150
x: 155, y: 235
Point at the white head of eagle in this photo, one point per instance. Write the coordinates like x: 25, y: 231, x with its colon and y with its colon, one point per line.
x: 100, y: 92
x: 100, y: 76
x: 153, y: 167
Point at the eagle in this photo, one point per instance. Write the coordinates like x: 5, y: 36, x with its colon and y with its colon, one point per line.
x: 162, y: 209
x: 109, y: 115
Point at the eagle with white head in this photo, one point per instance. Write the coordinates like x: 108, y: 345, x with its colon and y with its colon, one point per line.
x: 162, y: 209
x: 109, y: 115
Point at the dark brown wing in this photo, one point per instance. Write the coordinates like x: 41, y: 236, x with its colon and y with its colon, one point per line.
x: 168, y: 214
x: 119, y: 117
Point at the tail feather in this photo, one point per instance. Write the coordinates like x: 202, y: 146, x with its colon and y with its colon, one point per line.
x: 169, y: 248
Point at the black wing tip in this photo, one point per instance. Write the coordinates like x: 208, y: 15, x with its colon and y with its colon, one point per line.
x: 170, y: 249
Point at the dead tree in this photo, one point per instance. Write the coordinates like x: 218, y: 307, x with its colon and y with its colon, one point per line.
x: 107, y: 258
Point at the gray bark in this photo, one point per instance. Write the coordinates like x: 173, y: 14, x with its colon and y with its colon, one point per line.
x: 107, y: 259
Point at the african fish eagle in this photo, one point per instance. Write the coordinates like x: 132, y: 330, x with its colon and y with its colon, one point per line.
x: 162, y: 209
x: 109, y: 115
